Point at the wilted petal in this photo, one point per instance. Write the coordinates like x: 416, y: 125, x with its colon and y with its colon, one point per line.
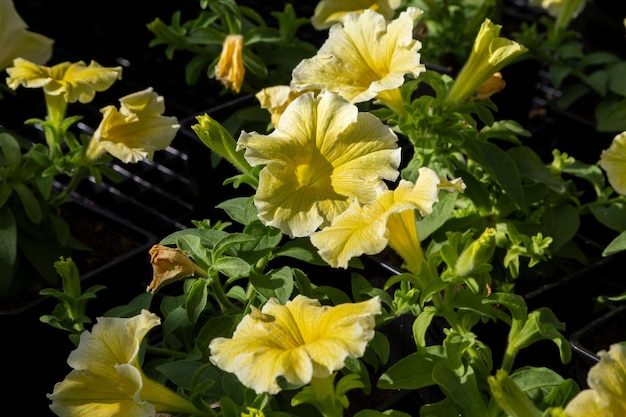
x: 17, y: 41
x: 229, y: 69
x: 322, y: 154
x: 137, y: 130
x: 613, y: 161
x: 364, y: 57
x: 169, y: 265
x: 298, y: 341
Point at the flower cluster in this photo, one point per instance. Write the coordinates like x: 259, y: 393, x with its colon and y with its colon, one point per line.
x: 418, y: 207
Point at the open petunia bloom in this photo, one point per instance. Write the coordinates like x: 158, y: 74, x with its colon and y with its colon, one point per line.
x: 136, y: 130
x: 107, y: 379
x: 606, y: 395
x: 329, y: 12
x: 390, y: 220
x: 16, y: 41
x: 364, y: 58
x: 613, y: 161
x: 323, y: 153
x: 229, y: 69
x: 298, y: 341
x: 490, y: 53
x: 72, y: 81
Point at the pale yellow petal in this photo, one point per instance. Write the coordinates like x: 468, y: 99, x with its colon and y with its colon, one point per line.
x: 329, y: 12
x: 17, y: 41
x: 356, y: 231
x: 27, y: 74
x: 613, y: 161
x: 363, y: 57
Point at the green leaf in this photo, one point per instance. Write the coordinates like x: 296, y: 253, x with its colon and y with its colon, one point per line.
x: 277, y: 284
x: 440, y: 214
x: 617, y: 81
x: 562, y: 224
x: 414, y: 371
x: 613, y: 216
x: 232, y: 267
x: 8, y: 249
x: 616, y: 245
x: 462, y: 389
x: 240, y: 209
x: 501, y: 167
x: 196, y: 300
x: 532, y: 167
x: 10, y: 151
x: 29, y: 202
x: 611, y: 115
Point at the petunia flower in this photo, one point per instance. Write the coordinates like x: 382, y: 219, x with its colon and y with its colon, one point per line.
x: 555, y: 8
x: 364, y: 58
x: 107, y: 378
x: 229, y: 69
x: 606, y: 395
x: 490, y: 53
x: 170, y: 265
x: 329, y: 12
x: 275, y: 99
x: 323, y: 153
x: 136, y: 130
x: 389, y: 220
x: 16, y: 41
x: 297, y: 341
x: 71, y: 81
x: 613, y: 161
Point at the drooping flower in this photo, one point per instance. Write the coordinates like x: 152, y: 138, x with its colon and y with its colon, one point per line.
x: 107, y: 378
x: 490, y: 53
x: 323, y: 153
x: 229, y: 69
x: 136, y: 130
x: 18, y: 42
x: 170, y: 265
x: 364, y: 58
x: 299, y: 341
x: 613, y: 161
x: 389, y: 220
x: 329, y: 12
x: 72, y: 81
x: 606, y: 395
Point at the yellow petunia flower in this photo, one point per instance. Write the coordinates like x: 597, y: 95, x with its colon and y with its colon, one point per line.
x: 613, y: 161
x: 364, y: 58
x: 71, y: 81
x: 298, y: 341
x: 329, y: 12
x: 490, y: 53
x: 136, y: 131
x: 107, y: 379
x: 229, y: 69
x: 16, y: 41
x: 606, y: 396
x: 390, y: 220
x: 323, y: 153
